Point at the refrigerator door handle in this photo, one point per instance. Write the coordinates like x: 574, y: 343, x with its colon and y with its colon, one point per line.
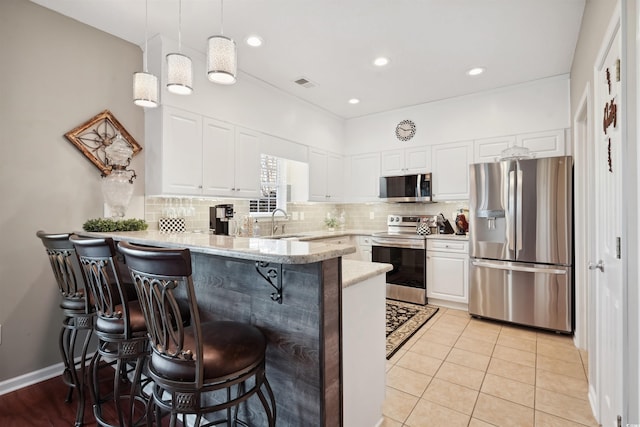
x: 518, y: 268
x: 510, y: 208
x: 519, y: 212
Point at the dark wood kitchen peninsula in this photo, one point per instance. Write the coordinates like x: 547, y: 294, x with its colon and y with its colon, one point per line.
x: 291, y: 290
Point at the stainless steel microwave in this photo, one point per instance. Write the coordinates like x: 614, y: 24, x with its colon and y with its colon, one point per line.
x: 406, y: 188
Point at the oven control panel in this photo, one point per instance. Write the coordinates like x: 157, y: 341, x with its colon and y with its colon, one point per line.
x: 408, y: 221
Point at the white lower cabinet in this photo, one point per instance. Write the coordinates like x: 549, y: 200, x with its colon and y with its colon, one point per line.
x: 364, y: 248
x: 448, y: 272
x: 342, y: 240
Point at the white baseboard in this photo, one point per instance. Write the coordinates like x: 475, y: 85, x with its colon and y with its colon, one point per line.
x: 16, y: 383
x: 30, y: 378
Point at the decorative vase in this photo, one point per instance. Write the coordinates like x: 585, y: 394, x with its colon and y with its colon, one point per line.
x: 117, y: 190
x: 117, y: 187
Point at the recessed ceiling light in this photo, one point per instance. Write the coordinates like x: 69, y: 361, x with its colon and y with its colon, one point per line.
x: 254, y: 41
x: 475, y: 71
x: 354, y: 101
x: 381, y: 61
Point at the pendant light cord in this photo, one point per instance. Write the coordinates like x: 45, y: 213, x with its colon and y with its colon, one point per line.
x: 146, y: 23
x: 180, y: 26
x: 221, y: 16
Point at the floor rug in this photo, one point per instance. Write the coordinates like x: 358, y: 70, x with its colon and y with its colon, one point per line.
x: 403, y: 320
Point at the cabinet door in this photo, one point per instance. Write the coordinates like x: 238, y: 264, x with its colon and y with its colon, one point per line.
x: 364, y: 181
x: 392, y: 163
x: 543, y: 144
x: 417, y: 160
x: 326, y: 176
x: 447, y: 276
x: 335, y: 177
x: 317, y: 175
x: 182, y: 152
x: 247, y: 163
x: 218, y: 157
x: 490, y: 149
x: 451, y: 171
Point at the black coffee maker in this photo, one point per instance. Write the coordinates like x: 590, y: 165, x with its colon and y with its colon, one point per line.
x: 219, y: 216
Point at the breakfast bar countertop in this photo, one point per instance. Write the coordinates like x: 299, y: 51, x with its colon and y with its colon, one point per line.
x: 280, y: 251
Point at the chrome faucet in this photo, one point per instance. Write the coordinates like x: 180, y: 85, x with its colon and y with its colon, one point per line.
x: 274, y: 227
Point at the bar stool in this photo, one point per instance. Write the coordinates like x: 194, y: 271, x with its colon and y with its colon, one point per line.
x: 195, y: 369
x: 122, y: 333
x: 77, y: 311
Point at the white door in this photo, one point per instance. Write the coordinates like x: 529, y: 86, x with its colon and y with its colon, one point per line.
x: 609, y: 232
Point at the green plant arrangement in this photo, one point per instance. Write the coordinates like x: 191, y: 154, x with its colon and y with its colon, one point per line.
x: 108, y: 224
x: 331, y: 222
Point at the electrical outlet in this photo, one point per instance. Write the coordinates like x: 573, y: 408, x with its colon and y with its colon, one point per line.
x: 301, y: 216
x: 372, y: 215
x: 294, y: 215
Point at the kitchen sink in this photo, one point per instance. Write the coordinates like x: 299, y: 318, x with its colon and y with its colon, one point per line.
x: 285, y: 237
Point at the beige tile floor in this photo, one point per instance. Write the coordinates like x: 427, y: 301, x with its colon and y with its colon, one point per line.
x: 461, y: 371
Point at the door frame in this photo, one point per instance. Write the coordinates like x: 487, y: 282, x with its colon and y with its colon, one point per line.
x: 630, y: 24
x: 584, y: 222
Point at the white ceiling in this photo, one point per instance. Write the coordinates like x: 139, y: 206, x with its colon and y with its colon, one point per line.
x: 431, y: 43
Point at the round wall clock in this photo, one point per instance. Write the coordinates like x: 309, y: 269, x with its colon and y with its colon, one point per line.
x: 405, y: 130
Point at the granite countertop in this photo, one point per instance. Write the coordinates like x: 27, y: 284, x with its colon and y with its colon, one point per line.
x: 306, y: 236
x: 354, y: 271
x: 279, y: 251
x: 325, y: 234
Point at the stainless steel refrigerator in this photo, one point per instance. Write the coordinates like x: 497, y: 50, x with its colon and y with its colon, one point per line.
x: 521, y: 242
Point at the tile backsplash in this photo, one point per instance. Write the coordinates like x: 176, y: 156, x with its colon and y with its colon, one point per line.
x: 303, y: 217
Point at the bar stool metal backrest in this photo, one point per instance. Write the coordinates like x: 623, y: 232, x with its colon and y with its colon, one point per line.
x: 77, y: 311
x: 122, y: 332
x: 196, y: 369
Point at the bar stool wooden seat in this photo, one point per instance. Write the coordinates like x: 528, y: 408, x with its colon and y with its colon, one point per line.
x: 206, y: 368
x: 122, y: 333
x: 77, y: 310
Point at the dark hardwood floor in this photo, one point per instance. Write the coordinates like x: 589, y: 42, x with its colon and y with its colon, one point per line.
x: 43, y: 405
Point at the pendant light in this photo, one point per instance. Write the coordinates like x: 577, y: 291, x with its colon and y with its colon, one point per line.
x: 179, y: 68
x: 145, y: 84
x: 221, y: 57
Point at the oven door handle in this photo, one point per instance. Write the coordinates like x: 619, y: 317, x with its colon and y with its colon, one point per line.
x: 397, y: 243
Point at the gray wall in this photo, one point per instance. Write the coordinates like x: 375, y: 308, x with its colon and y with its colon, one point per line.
x: 595, y: 20
x: 55, y: 73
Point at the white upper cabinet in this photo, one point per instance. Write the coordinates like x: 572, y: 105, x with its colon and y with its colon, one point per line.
x: 543, y: 144
x: 247, y: 163
x: 218, y: 152
x: 540, y: 144
x: 174, y: 157
x: 364, y: 178
x: 406, y: 161
x: 231, y: 160
x: 450, y: 172
x: 199, y: 156
x: 326, y: 176
x: 490, y: 149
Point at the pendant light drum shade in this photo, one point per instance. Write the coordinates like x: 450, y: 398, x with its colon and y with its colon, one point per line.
x: 145, y: 90
x: 179, y: 74
x: 221, y: 60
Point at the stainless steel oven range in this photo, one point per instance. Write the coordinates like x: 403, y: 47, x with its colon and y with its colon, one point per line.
x: 405, y: 249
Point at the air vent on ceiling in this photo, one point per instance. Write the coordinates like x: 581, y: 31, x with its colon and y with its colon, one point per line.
x: 304, y: 82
